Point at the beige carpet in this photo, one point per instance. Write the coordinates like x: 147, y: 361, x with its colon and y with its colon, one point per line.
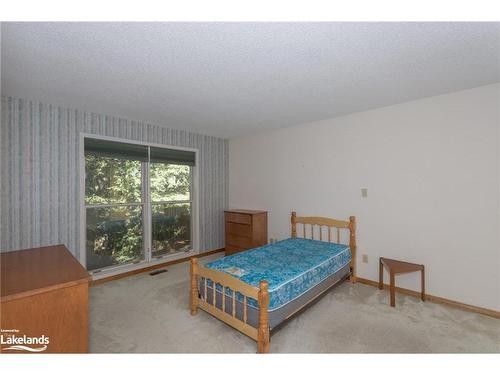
x: 149, y: 314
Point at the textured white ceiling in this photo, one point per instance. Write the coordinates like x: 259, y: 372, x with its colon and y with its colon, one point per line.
x: 229, y: 79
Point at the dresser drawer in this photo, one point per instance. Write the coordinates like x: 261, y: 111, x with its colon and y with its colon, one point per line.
x: 230, y: 249
x: 238, y: 218
x: 237, y: 229
x: 239, y: 241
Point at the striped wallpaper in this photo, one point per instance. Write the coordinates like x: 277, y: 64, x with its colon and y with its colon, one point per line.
x: 39, y: 175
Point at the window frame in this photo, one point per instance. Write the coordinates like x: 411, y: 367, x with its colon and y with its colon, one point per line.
x: 147, y: 220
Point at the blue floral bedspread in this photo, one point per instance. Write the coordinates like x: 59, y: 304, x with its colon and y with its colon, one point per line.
x: 291, y: 267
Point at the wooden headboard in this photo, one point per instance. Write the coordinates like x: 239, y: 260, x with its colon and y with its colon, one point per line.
x: 329, y: 223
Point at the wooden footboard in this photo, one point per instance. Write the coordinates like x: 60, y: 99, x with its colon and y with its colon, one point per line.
x: 261, y: 295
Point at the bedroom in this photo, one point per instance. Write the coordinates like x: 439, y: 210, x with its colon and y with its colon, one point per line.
x: 338, y: 183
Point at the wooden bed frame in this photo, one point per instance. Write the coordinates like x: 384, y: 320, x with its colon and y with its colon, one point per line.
x: 261, y: 294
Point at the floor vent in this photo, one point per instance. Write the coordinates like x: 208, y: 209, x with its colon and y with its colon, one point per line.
x: 157, y: 272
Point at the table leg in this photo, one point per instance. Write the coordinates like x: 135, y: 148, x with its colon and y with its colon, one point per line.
x: 380, y: 274
x: 392, y: 292
x: 423, y: 283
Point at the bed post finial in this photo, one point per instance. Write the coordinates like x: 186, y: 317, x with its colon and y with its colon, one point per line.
x: 352, y: 245
x: 194, y: 286
x: 263, y: 330
x: 294, y: 224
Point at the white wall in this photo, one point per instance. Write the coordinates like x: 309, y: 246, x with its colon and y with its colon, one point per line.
x: 431, y: 167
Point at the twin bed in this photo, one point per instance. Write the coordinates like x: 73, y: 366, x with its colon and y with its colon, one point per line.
x: 256, y: 290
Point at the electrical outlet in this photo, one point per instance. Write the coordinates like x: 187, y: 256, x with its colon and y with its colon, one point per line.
x: 364, y: 192
x: 365, y: 258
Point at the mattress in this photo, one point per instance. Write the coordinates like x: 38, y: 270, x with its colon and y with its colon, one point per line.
x: 292, y: 267
x: 280, y: 314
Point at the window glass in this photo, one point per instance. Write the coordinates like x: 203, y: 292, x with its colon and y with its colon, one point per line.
x: 117, y: 231
x: 114, y: 236
x: 171, y: 228
x: 109, y: 180
x: 169, y: 182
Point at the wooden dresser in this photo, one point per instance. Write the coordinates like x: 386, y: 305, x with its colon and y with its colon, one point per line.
x: 245, y: 229
x: 44, y: 295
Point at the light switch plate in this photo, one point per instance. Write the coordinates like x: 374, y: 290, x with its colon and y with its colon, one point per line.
x: 365, y: 258
x: 364, y: 192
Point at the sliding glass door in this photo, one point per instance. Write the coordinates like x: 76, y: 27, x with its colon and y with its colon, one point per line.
x: 113, y: 191
x: 138, y: 202
x: 171, y: 207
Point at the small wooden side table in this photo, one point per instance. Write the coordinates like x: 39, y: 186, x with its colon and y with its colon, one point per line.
x: 395, y: 267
